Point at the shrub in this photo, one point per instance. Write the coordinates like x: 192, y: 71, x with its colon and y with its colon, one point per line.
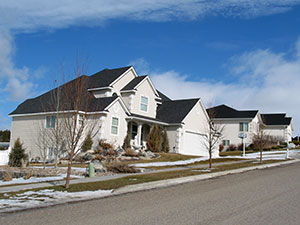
x: 17, y: 155
x: 111, y: 155
x: 232, y: 147
x: 87, y: 144
x: 29, y: 175
x: 130, y: 152
x: 117, y: 167
x: 126, y: 143
x: 165, y: 141
x: 221, y: 147
x: 8, y: 174
x: 105, y: 145
x: 296, y: 142
x: 99, y: 157
x: 240, y: 147
x: 154, y: 139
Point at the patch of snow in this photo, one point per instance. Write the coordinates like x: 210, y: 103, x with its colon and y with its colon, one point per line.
x: 36, y: 179
x: 175, y: 163
x: 270, y: 155
x: 46, y: 197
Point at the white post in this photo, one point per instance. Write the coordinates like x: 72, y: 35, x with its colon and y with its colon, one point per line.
x: 244, y: 147
x: 139, y: 134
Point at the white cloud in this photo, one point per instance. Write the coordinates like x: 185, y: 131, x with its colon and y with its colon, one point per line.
x: 32, y: 15
x: 265, y: 80
x: 13, y: 80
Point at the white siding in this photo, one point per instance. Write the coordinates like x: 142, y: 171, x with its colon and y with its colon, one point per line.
x: 27, y: 129
x: 117, y: 111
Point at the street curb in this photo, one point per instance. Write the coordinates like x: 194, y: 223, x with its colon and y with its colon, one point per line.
x: 182, y: 180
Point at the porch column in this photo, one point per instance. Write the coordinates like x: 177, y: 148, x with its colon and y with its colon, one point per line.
x: 139, y: 134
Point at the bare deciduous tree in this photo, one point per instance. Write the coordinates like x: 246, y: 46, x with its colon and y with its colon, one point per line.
x: 261, y: 140
x: 77, y: 120
x: 214, y: 133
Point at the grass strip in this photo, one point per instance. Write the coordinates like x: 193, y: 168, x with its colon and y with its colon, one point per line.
x: 137, y: 179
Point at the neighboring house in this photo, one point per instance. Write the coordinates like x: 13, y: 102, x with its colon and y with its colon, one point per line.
x: 235, y: 123
x: 127, y: 103
x: 279, y: 126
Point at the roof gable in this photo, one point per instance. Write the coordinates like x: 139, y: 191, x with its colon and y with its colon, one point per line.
x: 224, y: 111
x: 175, y: 111
x: 106, y: 77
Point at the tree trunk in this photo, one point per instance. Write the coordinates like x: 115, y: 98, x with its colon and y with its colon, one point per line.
x: 210, y: 160
x: 260, y: 157
x: 67, y: 185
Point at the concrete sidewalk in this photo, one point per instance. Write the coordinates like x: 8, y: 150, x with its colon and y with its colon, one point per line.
x: 17, y: 188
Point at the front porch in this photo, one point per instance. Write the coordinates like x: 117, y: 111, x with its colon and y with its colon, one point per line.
x: 139, y: 128
x: 138, y: 132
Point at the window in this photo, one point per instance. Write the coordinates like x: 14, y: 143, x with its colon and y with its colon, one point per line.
x: 244, y: 127
x: 114, y: 125
x: 50, y: 121
x: 226, y: 142
x: 80, y: 120
x: 144, y: 104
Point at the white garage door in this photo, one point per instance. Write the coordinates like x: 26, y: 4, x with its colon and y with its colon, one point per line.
x: 194, y: 144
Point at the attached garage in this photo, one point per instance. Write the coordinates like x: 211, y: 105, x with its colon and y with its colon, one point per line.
x: 194, y: 144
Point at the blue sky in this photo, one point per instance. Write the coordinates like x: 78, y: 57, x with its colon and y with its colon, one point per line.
x: 242, y: 53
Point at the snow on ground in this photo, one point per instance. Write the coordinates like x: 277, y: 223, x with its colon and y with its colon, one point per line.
x: 175, y: 163
x: 270, y: 155
x: 46, y: 197
x: 36, y: 179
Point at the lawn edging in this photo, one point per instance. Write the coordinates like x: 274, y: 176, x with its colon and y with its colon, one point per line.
x: 182, y: 180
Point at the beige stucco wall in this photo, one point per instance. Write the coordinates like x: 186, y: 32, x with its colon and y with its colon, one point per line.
x: 117, y: 111
x: 123, y: 81
x: 232, y: 130
x: 282, y: 133
x: 144, y: 90
x: 196, y: 120
x: 173, y: 140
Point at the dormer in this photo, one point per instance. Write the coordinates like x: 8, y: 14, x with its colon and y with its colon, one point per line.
x: 141, y: 97
x: 108, y: 82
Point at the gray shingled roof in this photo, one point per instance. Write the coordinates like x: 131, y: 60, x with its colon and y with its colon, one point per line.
x: 175, y: 111
x: 224, y: 111
x: 105, y: 77
x: 132, y: 84
x: 276, y: 119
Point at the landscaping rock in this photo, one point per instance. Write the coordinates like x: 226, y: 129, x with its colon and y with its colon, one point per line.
x: 87, y: 157
x: 99, y: 166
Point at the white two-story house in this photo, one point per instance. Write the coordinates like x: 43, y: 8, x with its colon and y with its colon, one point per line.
x: 127, y: 103
x: 236, y: 123
x: 246, y: 123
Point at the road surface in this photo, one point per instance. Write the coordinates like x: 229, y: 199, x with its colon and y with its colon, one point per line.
x: 270, y: 196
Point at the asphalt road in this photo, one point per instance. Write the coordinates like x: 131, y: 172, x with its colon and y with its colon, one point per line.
x: 270, y: 196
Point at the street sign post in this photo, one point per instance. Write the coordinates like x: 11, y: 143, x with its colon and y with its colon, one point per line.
x: 243, y: 135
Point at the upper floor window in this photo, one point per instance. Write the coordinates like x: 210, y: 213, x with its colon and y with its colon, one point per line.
x: 80, y: 120
x: 144, y: 103
x: 114, y: 125
x: 50, y: 121
x: 244, y: 127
